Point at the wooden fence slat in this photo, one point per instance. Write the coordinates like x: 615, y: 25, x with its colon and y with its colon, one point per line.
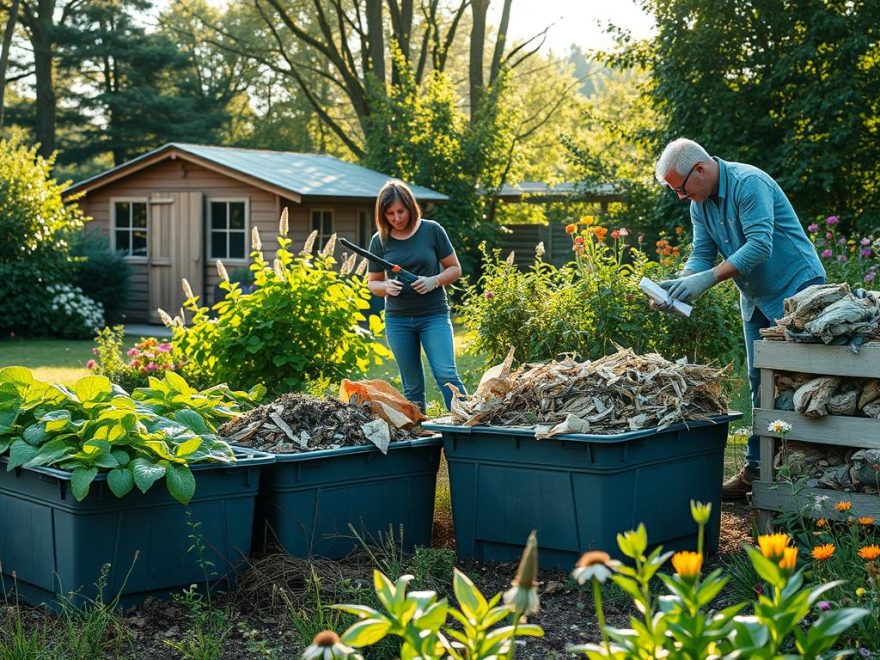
x: 829, y: 430
x: 782, y: 497
x: 819, y: 359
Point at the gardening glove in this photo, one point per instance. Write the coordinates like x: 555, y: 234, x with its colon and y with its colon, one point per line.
x: 393, y: 287
x: 690, y: 287
x: 426, y: 284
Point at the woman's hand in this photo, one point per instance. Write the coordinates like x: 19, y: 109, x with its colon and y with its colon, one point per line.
x: 393, y: 287
x: 425, y: 284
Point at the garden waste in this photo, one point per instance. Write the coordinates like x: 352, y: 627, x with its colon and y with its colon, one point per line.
x: 614, y: 394
x: 295, y: 423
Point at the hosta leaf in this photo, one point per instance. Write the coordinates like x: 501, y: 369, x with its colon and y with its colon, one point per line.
x: 51, y: 452
x: 80, y: 480
x: 92, y: 388
x: 192, y: 420
x: 161, y: 450
x: 56, y: 420
x: 35, y: 434
x: 190, y: 446
x: 178, y: 383
x: 121, y: 456
x: 17, y: 376
x: 366, y: 632
x: 146, y: 473
x: 20, y: 453
x: 121, y: 481
x: 181, y: 482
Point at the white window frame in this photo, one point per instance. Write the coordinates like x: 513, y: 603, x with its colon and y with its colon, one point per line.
x: 209, y: 230
x: 131, y: 200
x: 321, y: 240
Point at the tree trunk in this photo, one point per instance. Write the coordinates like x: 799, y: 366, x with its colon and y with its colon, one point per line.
x: 41, y: 26
x: 479, y: 9
x: 4, y: 54
x: 376, y: 46
x: 500, y: 42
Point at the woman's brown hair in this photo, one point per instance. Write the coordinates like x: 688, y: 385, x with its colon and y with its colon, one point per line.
x: 395, y: 191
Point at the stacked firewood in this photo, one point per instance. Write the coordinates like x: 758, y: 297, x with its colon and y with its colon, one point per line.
x: 614, y: 394
x: 831, y: 314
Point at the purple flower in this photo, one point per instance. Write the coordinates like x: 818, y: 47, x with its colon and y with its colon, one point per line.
x: 813, y: 228
x: 832, y: 220
x: 829, y: 235
x: 842, y: 258
x: 866, y: 253
x: 824, y: 605
x: 865, y: 241
x: 865, y: 653
x: 826, y: 254
x: 870, y: 277
x: 841, y: 240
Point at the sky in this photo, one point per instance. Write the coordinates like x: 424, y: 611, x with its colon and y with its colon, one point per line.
x: 573, y: 21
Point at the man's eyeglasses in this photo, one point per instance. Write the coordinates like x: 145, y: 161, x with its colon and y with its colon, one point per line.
x: 680, y: 189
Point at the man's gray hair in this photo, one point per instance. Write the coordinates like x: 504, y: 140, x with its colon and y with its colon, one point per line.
x: 679, y: 155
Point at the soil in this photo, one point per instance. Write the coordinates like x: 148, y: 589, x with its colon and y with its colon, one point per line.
x: 258, y: 625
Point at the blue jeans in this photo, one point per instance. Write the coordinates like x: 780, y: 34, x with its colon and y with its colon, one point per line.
x: 751, y: 331
x: 407, y: 335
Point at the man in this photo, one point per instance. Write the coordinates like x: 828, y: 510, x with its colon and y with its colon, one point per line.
x: 740, y: 212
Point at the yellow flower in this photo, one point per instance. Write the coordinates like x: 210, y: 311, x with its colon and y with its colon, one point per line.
x: 570, y: 229
x: 860, y: 592
x: 687, y: 564
x: 823, y: 552
x: 588, y: 220
x: 821, y: 522
x: 869, y: 552
x: 789, y: 559
x: 866, y: 520
x: 773, y: 545
x: 844, y: 505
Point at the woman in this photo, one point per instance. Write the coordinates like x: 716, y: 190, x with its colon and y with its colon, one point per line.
x: 417, y: 314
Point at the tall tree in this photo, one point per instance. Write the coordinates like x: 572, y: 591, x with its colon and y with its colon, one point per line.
x: 8, y: 31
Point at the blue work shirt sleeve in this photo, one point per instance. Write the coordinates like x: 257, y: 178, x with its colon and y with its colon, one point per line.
x: 754, y: 202
x: 703, y: 249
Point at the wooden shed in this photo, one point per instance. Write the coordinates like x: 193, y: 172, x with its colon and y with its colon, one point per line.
x: 178, y: 209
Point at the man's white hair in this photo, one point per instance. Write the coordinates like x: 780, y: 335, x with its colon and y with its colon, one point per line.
x: 679, y: 155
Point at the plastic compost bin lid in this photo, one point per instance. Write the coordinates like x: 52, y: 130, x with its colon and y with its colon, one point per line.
x: 529, y: 431
x: 244, y: 457
x: 429, y: 441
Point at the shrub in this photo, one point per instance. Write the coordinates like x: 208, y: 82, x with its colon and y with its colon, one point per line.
x: 35, y: 227
x: 72, y: 314
x: 298, y: 325
x: 148, y: 357
x: 593, y: 303
x: 854, y: 259
x: 102, y: 274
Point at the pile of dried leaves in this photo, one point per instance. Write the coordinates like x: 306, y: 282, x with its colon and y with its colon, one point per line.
x: 617, y: 393
x: 831, y: 314
x: 295, y: 423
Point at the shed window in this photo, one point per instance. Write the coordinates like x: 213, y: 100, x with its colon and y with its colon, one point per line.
x: 322, y: 222
x: 130, y: 228
x: 228, y: 229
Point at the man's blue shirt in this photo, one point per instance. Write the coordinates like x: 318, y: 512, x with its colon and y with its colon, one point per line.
x: 751, y: 223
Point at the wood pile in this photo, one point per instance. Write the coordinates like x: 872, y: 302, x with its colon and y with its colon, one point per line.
x: 615, y: 394
x: 295, y: 423
x: 817, y: 396
x: 831, y: 314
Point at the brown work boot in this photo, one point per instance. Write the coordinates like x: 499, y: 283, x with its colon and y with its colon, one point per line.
x: 739, y: 485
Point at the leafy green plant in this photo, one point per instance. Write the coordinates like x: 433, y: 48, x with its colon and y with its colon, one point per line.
x: 95, y: 426
x: 299, y: 324
x: 102, y: 274
x: 591, y: 304
x: 679, y: 624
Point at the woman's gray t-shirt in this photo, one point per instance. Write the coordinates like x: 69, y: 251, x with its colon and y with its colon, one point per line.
x: 420, y: 254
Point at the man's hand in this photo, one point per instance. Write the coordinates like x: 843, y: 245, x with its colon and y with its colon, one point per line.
x: 393, y: 287
x: 426, y: 284
x: 690, y: 287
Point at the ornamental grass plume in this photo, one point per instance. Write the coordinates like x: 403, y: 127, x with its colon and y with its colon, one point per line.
x: 221, y: 271
x: 823, y: 552
x: 165, y: 317
x: 688, y: 565
x: 256, y: 243
x: 773, y: 545
x: 327, y: 646
x: 283, y: 223
x: 187, y: 289
x: 310, y: 242
x: 869, y: 552
x: 522, y: 597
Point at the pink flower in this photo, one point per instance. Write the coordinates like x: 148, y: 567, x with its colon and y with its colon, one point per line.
x: 91, y: 364
x: 132, y: 352
x: 164, y: 347
x: 829, y: 235
x: 624, y: 231
x: 869, y: 277
x: 133, y: 363
x: 615, y: 233
x: 824, y: 605
x: 832, y: 220
x: 826, y: 254
x: 489, y: 295
x: 866, y: 253
x: 813, y: 228
x: 95, y: 351
x: 865, y: 241
x: 641, y: 237
x: 152, y: 366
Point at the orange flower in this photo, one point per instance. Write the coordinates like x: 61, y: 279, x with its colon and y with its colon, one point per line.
x: 866, y: 520
x: 844, y: 505
x: 676, y: 251
x: 659, y: 243
x: 789, y: 559
x: 600, y: 232
x: 821, y: 522
x: 679, y: 230
x: 687, y: 564
x: 869, y: 552
x: 570, y: 229
x: 823, y: 552
x: 773, y: 545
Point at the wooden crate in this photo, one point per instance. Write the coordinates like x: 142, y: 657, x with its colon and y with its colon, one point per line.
x: 769, y: 496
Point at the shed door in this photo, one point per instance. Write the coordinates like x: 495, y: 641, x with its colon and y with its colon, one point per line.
x: 176, y: 244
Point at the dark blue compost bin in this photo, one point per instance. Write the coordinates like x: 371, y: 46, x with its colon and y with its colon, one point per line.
x: 579, y: 491
x: 55, y: 545
x: 307, y: 501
